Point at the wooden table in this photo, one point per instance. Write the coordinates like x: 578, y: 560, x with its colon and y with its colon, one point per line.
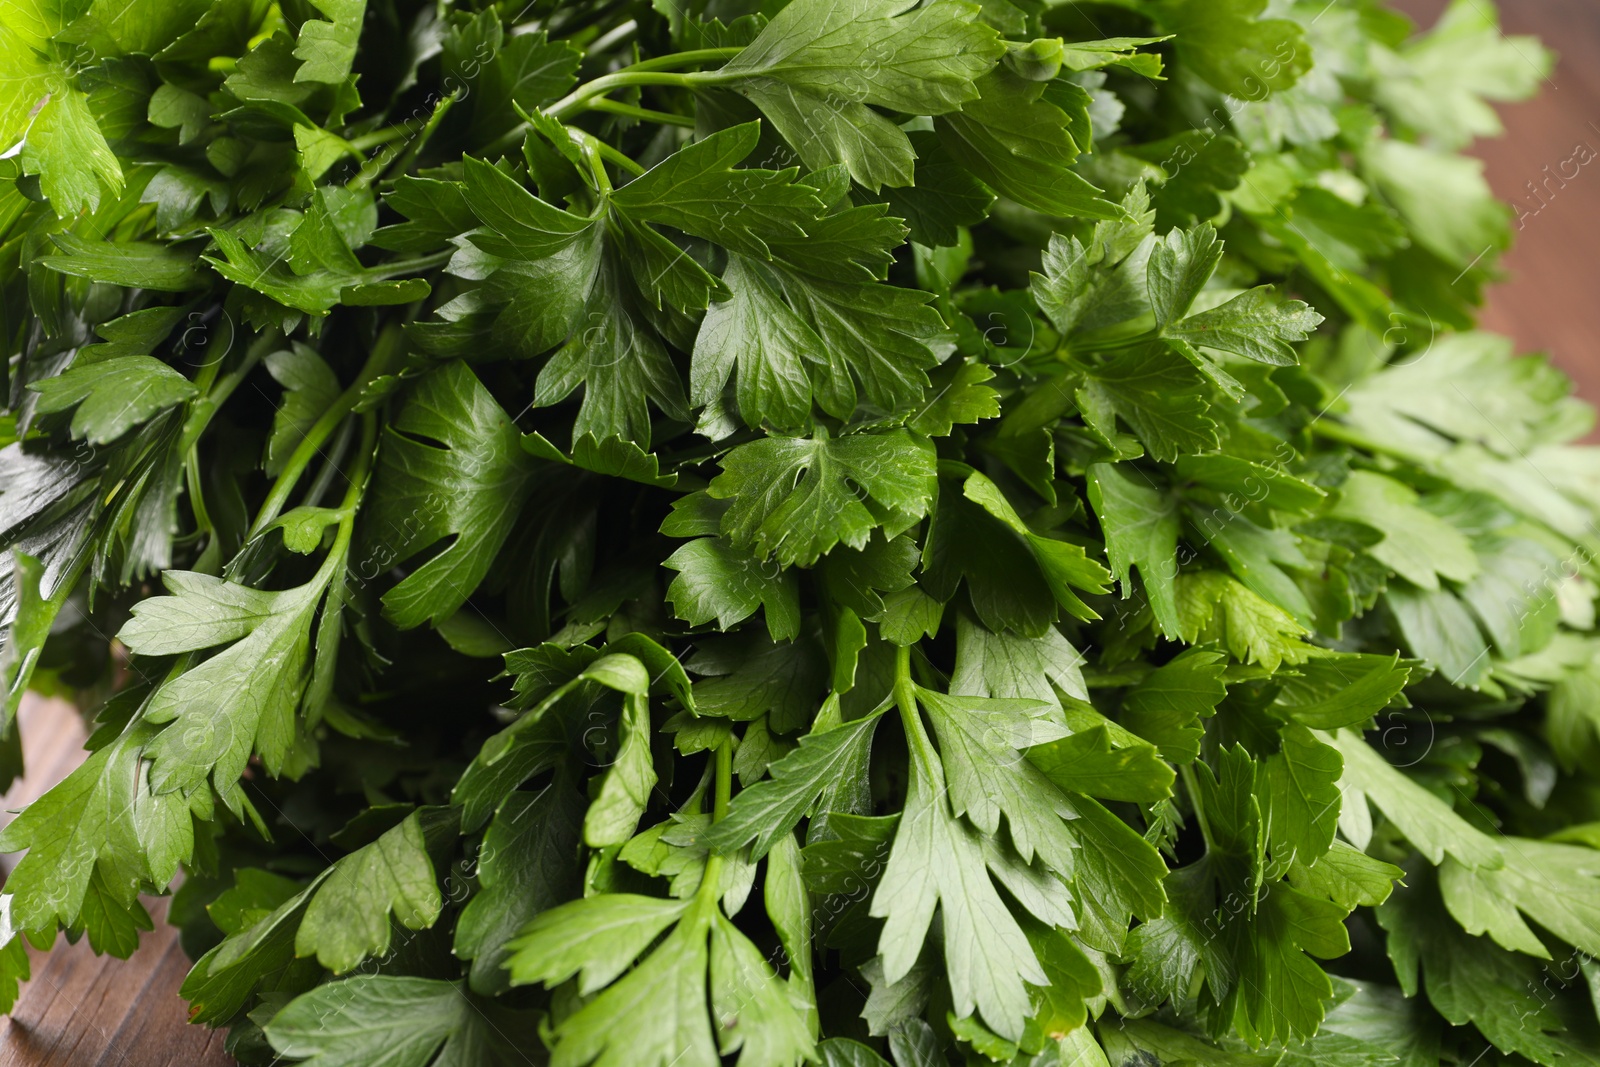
x: 1550, y: 300
x: 84, y: 1010
x: 90, y: 1012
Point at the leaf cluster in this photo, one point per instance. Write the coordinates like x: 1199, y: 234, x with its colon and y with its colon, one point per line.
x: 828, y: 531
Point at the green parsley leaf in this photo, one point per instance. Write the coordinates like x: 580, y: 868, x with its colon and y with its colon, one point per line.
x: 408, y: 1022
x: 1140, y: 524
x: 471, y: 489
x: 816, y: 66
x: 113, y: 395
x: 348, y: 917
x: 240, y: 701
x: 795, y: 498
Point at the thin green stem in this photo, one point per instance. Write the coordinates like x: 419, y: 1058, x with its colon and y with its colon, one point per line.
x: 311, y: 444
x: 692, y: 58
x: 605, y: 151
x: 644, y: 114
x: 658, y: 71
x: 414, y: 265
x: 215, y: 390
x: 402, y: 162
x: 905, y: 690
x: 905, y: 698
x: 335, y: 453
x: 375, y: 166
x: 711, y: 881
x: 378, y: 137
x: 590, y: 148
x: 352, y: 499
x: 611, y: 38
x: 579, y: 98
x: 1192, y: 787
x: 214, y: 393
x: 197, y: 496
x: 724, y: 780
x: 1335, y: 431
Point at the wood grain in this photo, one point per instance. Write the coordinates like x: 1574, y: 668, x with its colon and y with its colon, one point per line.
x: 80, y: 1009
x: 84, y: 1011
x: 87, y: 1011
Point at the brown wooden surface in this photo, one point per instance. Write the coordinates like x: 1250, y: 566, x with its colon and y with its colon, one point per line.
x: 1550, y: 300
x: 86, y: 1012
x: 80, y: 1009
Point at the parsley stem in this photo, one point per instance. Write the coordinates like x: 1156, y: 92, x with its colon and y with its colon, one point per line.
x: 621, y: 159
x: 378, y: 137
x: 332, y: 467
x: 711, y: 881
x: 693, y: 57
x: 402, y: 161
x: 644, y: 114
x: 1192, y: 787
x: 904, y: 694
x: 660, y: 71
x: 579, y: 98
x: 616, y: 35
x: 724, y: 788
x: 416, y: 264
x: 663, y: 70
x: 338, y: 554
x: 310, y: 445
x: 1335, y: 431
x: 905, y: 698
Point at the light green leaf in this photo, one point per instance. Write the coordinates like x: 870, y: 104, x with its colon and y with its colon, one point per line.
x: 1426, y: 821
x: 1213, y: 607
x: 1251, y: 325
x: 134, y: 264
x: 1166, y: 706
x: 65, y: 147
x: 1011, y: 666
x: 614, y: 815
x: 1160, y: 396
x: 768, y: 810
x: 1228, y: 44
x: 241, y: 700
x: 348, y: 918
x: 309, y: 389
x: 102, y: 817
x: 327, y: 48
x: 817, y: 64
x: 1179, y: 268
x: 981, y: 742
x: 937, y: 861
x: 1086, y: 762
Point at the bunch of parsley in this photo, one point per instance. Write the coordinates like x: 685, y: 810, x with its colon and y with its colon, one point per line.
x: 826, y: 531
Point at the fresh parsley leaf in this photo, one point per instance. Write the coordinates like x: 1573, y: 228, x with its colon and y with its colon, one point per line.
x: 348, y: 917
x: 451, y: 466
x: 113, y: 395
x: 816, y: 66
x: 795, y: 498
x: 1141, y: 530
x: 409, y: 1022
